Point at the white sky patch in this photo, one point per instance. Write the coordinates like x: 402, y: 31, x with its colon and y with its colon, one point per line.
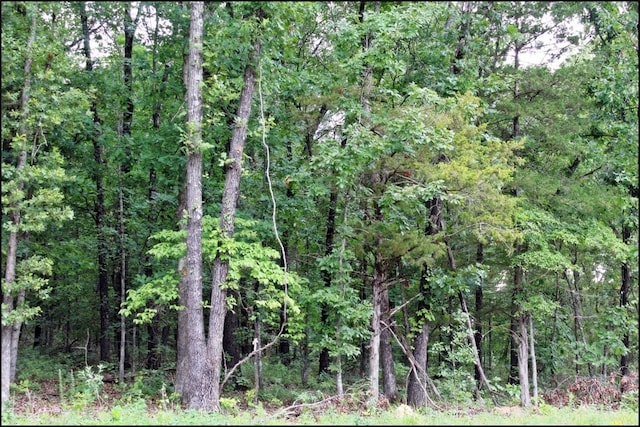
x: 331, y: 126
x: 502, y: 283
x: 599, y: 273
x: 546, y: 50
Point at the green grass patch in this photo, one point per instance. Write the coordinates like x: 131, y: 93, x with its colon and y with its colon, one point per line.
x: 137, y: 413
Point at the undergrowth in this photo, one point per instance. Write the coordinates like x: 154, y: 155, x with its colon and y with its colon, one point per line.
x: 50, y: 391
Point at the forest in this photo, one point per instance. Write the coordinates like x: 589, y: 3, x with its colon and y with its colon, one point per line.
x: 416, y: 203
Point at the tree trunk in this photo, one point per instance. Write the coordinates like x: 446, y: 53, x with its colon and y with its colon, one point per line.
x: 576, y: 303
x: 130, y: 25
x: 417, y: 385
x: 523, y: 361
x: 230, y: 343
x: 625, y: 289
x: 154, y: 358
x: 230, y: 196
x: 323, y: 362
x: 478, y: 317
x: 257, y: 359
x: 10, y: 301
x: 522, y: 344
x: 534, y: 362
x: 99, y: 210
x: 386, y: 351
x: 194, y: 369
x: 513, y: 345
x: 374, y: 342
x: 123, y: 281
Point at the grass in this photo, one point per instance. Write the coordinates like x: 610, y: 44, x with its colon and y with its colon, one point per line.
x: 138, y: 412
x: 48, y: 393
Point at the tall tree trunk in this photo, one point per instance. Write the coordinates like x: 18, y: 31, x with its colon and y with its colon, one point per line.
x: 125, y: 167
x: 154, y: 358
x: 478, y: 317
x: 230, y: 196
x: 194, y: 370
x: 230, y: 343
x: 257, y: 358
x: 522, y: 344
x: 379, y: 273
x: 123, y: 281
x: 99, y: 209
x: 534, y: 362
x: 323, y: 362
x: 513, y: 343
x: 417, y: 385
x: 625, y: 288
x: 378, y: 283
x: 130, y: 24
x: 386, y: 351
x: 573, y: 282
x: 10, y: 301
x: 523, y: 361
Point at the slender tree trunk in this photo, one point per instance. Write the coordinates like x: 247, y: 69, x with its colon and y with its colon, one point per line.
x: 522, y: 345
x: 230, y: 342
x: 123, y: 282
x: 230, y: 196
x: 386, y: 351
x: 478, y: 317
x: 130, y: 25
x: 304, y: 370
x: 625, y: 289
x: 417, y: 385
x: 379, y: 280
x: 11, y: 332
x: 513, y: 344
x: 534, y: 362
x: 576, y: 303
x: 379, y: 273
x: 154, y: 358
x: 323, y: 362
x: 99, y: 210
x: 257, y: 358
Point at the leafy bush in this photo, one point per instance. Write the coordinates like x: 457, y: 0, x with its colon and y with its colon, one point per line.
x: 38, y: 367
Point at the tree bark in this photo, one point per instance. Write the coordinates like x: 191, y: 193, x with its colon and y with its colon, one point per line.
x: 625, y: 288
x: 534, y: 362
x: 230, y: 196
x: 374, y: 343
x: 523, y: 361
x: 386, y: 351
x: 478, y: 317
x: 123, y: 281
x: 520, y: 337
x: 323, y: 362
x: 417, y: 385
x: 194, y: 370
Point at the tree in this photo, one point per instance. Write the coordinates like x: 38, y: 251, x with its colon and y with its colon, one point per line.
x: 194, y: 367
x: 32, y: 174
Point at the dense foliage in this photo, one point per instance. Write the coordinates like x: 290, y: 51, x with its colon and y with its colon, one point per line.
x: 444, y: 194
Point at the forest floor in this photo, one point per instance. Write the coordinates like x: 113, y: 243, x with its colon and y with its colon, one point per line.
x: 44, y: 403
